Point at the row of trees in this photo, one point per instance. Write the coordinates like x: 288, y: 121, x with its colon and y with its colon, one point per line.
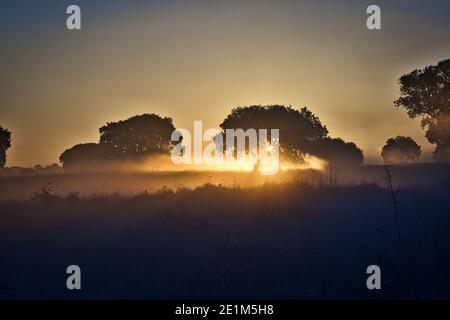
x: 148, y: 134
x: 424, y: 93
x: 303, y: 133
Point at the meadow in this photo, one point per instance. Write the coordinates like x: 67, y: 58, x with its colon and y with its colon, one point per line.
x: 302, y: 235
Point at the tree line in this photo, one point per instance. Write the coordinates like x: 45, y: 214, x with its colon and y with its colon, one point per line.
x: 140, y: 136
x: 424, y: 93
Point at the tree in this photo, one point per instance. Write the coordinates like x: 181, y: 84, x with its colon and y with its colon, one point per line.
x: 123, y: 140
x: 400, y: 150
x: 426, y: 94
x: 298, y: 128
x: 5, y: 144
x: 439, y: 134
x: 337, y: 152
x: 82, y: 155
x: 137, y: 136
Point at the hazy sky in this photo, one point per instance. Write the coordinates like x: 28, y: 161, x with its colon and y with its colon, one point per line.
x: 196, y: 60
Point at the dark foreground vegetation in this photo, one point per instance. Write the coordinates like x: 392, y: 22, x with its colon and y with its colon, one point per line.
x: 292, y: 240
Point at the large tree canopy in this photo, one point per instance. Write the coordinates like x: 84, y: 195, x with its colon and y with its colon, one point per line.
x: 137, y: 136
x: 5, y: 144
x: 129, y: 139
x: 426, y: 93
x: 298, y: 128
x: 400, y: 150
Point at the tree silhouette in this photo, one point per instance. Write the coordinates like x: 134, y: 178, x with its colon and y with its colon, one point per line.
x: 123, y: 140
x: 298, y: 128
x: 5, y: 144
x: 87, y: 154
x: 137, y: 136
x: 337, y: 152
x: 400, y: 150
x: 426, y: 93
x: 439, y: 134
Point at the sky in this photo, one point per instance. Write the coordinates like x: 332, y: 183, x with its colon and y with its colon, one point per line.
x: 196, y: 60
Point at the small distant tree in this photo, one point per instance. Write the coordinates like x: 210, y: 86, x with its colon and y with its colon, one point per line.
x: 137, y: 136
x: 426, y: 94
x: 400, y: 150
x: 5, y: 144
x: 298, y: 128
x: 337, y: 152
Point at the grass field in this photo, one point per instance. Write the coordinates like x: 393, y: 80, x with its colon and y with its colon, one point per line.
x: 204, y: 235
